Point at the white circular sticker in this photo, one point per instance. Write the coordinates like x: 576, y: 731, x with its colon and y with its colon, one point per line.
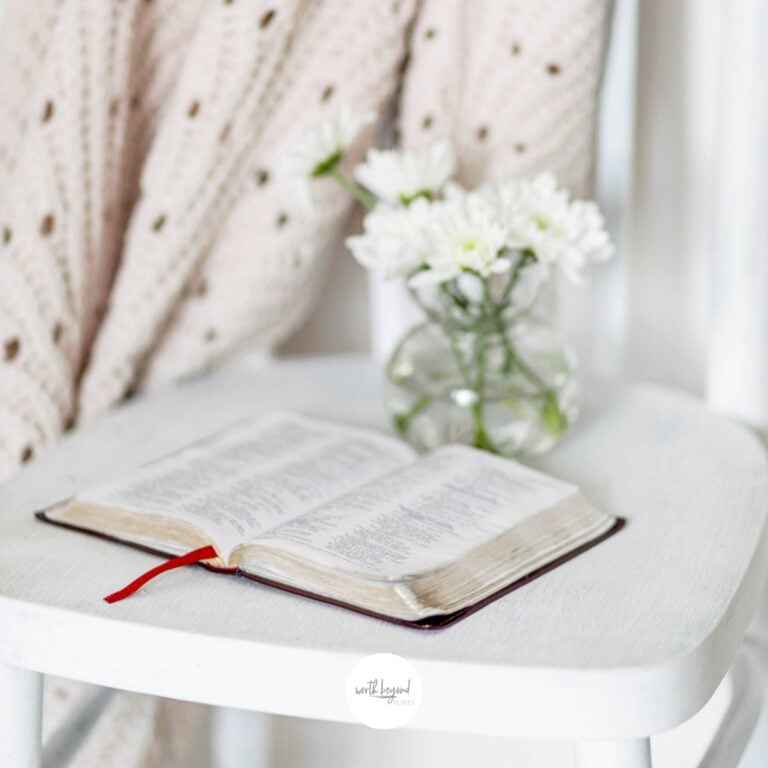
x: 384, y: 691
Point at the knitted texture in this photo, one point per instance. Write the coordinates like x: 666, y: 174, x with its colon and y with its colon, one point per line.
x: 118, y: 738
x: 513, y: 83
x: 131, y: 730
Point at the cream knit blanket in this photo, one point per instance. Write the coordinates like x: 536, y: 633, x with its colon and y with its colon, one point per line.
x: 143, y: 233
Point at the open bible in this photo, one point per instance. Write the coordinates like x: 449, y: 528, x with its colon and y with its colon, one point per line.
x: 348, y: 515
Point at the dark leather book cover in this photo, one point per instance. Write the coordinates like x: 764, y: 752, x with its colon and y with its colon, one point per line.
x: 431, y: 622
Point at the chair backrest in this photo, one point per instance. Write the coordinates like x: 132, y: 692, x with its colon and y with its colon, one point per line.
x: 737, y: 374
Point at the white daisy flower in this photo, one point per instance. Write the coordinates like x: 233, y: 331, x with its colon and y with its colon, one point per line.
x: 463, y: 234
x: 569, y: 234
x: 393, y: 241
x: 504, y: 200
x: 320, y: 150
x: 400, y: 176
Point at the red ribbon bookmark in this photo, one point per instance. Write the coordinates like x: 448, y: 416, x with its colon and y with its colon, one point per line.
x: 204, y: 553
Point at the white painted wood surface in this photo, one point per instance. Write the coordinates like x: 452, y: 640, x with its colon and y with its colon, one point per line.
x: 625, y: 641
x: 747, y: 678
x: 21, y: 701
x: 241, y: 739
x: 737, y: 376
x: 629, y: 753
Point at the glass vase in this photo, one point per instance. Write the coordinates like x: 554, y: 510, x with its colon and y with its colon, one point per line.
x: 506, y: 385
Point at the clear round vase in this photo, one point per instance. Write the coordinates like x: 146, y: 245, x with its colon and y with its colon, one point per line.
x: 508, y: 387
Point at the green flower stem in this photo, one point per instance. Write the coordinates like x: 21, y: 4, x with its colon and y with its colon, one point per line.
x: 360, y: 194
x: 527, y: 371
x: 403, y: 420
x: 506, y: 366
x: 509, y: 353
x: 455, y: 293
x: 477, y: 319
x: 527, y: 257
x: 482, y: 438
x: 552, y: 415
x: 466, y: 374
x: 476, y: 384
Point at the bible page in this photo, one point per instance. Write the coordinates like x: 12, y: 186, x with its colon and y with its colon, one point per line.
x: 415, y: 519
x: 254, y: 475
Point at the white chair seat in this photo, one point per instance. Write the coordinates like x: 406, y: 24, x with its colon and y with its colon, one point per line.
x: 625, y: 641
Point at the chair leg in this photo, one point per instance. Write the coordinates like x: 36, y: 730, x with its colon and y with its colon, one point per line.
x: 622, y: 753
x: 241, y: 739
x: 21, y: 706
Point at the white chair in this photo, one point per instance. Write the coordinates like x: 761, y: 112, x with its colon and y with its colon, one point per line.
x: 605, y: 651
x: 593, y: 695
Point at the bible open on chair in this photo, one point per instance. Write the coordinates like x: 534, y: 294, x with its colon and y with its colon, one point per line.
x: 347, y: 515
